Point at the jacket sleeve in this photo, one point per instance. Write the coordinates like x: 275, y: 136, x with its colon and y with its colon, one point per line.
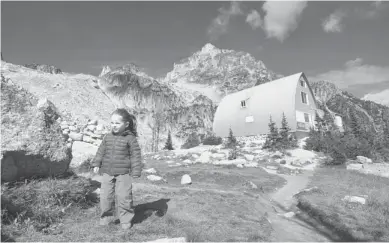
x: 135, y: 156
x: 99, y: 155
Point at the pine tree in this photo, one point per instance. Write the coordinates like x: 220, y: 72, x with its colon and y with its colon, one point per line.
x: 319, y: 123
x: 355, y: 125
x: 273, y: 137
x: 231, y: 142
x: 328, y: 121
x: 169, y: 144
x: 285, y: 129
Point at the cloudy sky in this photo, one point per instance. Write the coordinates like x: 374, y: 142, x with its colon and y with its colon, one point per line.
x: 344, y: 42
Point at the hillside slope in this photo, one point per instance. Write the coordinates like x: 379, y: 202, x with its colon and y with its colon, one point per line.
x: 76, y: 96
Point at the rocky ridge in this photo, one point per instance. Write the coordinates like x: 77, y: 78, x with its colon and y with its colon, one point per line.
x: 372, y: 116
x: 218, y: 72
x: 44, y: 68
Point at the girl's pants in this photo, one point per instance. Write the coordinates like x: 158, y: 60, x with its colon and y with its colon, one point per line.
x: 121, y: 186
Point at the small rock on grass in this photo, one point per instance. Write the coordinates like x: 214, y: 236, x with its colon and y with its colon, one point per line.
x: 186, y: 180
x: 150, y: 171
x: 154, y: 178
x: 289, y: 215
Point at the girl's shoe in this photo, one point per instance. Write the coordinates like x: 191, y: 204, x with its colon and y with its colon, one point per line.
x: 104, y: 221
x: 125, y: 226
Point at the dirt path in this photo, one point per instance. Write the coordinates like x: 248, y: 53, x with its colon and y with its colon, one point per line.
x: 293, y: 228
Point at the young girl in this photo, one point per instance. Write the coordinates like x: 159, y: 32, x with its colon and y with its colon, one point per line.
x: 119, y: 160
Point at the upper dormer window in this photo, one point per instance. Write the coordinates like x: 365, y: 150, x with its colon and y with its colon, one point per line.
x: 304, y: 98
x: 302, y: 83
x: 243, y: 104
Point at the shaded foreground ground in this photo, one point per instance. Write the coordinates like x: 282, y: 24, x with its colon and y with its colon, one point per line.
x: 220, y: 205
x: 352, y: 221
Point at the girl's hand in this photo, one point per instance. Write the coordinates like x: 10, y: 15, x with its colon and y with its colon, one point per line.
x: 96, y: 170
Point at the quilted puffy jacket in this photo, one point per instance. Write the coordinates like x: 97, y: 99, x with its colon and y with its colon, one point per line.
x: 119, y: 154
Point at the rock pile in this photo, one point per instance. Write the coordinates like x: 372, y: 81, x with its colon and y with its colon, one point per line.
x: 92, y: 132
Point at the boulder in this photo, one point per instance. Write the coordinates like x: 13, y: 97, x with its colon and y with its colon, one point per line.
x: 64, y: 126
x: 249, y: 157
x: 239, y: 165
x: 289, y: 215
x: 204, y: 157
x: 252, y: 185
x: 99, y: 127
x: 76, y: 136
x: 48, y: 108
x: 186, y: 180
x: 73, y: 128
x: 355, y: 166
x: 364, y: 160
x: 154, y: 178
x: 92, y: 122
x: 88, y: 139
x: 91, y: 127
x: 354, y: 199
x: 32, y: 142
x: 150, y: 171
x: 82, y: 152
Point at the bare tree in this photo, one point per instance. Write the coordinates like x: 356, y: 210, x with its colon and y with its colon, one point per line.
x: 157, y: 125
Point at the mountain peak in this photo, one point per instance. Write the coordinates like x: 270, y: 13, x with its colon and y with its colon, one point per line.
x: 219, y: 71
x: 208, y: 47
x: 106, y: 69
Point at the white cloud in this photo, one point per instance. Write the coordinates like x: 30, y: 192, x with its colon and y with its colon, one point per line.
x: 254, y: 19
x: 380, y: 98
x: 219, y: 25
x: 355, y: 72
x: 282, y: 18
x: 373, y: 11
x: 333, y: 22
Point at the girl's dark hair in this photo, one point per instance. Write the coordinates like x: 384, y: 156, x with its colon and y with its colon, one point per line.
x: 127, y: 117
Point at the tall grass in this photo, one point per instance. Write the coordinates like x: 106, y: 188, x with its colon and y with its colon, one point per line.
x: 353, y: 221
x: 40, y: 203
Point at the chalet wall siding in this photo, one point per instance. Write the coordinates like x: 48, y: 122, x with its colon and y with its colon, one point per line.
x: 272, y: 98
x: 301, y: 107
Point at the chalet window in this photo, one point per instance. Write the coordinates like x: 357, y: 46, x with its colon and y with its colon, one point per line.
x: 243, y: 104
x: 302, y: 83
x: 306, y: 117
x: 249, y: 119
x: 304, y: 98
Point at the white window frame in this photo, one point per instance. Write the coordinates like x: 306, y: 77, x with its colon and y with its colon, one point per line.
x: 302, y: 83
x: 306, y: 98
x: 306, y: 115
x: 243, y: 104
x: 249, y: 119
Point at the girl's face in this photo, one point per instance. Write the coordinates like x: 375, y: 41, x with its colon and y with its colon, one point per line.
x: 117, y: 124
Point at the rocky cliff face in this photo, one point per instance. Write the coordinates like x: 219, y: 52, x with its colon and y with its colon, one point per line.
x: 44, y: 68
x: 374, y: 117
x: 184, y: 111
x: 218, y: 72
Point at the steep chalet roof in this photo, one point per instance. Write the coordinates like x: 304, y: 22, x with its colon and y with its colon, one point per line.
x: 271, y: 98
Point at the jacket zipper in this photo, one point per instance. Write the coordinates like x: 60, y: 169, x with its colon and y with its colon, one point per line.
x: 113, y: 149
